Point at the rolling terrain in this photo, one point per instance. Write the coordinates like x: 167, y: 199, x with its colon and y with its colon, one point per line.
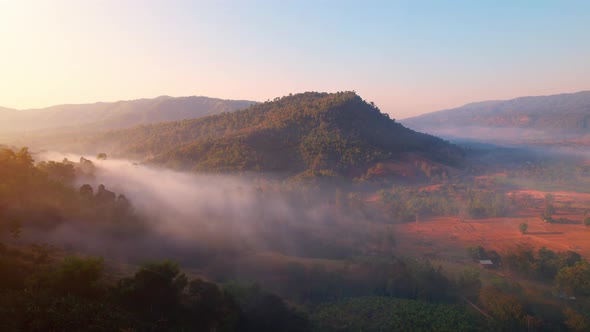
x: 112, y: 115
x: 546, y: 120
x: 321, y: 133
x: 404, y: 237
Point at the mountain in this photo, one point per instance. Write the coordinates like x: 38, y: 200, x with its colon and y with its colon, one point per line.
x: 4, y: 109
x: 542, y: 118
x: 309, y: 132
x: 121, y: 114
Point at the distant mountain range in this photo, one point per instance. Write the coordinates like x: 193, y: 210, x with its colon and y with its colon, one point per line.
x: 121, y: 114
x: 311, y: 132
x: 528, y: 119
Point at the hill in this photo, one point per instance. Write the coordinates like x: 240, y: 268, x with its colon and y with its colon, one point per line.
x: 115, y: 115
x: 543, y: 118
x: 315, y: 132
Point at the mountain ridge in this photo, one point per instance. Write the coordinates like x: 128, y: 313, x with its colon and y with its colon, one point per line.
x: 118, y: 114
x: 531, y: 117
x: 308, y: 132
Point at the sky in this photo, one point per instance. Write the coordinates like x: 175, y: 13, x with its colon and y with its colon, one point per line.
x: 409, y: 57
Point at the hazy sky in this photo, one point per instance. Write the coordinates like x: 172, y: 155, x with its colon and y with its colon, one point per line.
x: 409, y: 57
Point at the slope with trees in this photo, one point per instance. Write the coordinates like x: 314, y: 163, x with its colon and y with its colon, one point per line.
x: 312, y: 132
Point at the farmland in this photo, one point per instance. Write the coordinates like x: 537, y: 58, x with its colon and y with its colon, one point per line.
x: 447, y: 236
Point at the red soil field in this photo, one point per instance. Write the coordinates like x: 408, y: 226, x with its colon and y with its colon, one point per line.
x: 447, y: 237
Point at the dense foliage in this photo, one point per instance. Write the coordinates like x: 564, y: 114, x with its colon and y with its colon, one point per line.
x: 337, y: 284
x: 313, y: 132
x: 409, y: 204
x: 39, y: 292
x: 391, y: 314
x: 512, y: 309
x: 43, y: 196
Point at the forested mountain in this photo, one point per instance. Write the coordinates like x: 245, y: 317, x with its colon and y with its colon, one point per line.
x: 313, y: 132
x: 542, y: 117
x: 121, y: 114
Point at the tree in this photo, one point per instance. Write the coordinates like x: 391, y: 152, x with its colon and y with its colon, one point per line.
x: 154, y: 291
x: 575, y: 279
x: 575, y: 321
x: 470, y: 283
x: 549, y: 207
x: 477, y: 253
x: 549, y: 210
x: 587, y: 221
x: 62, y: 172
x: 104, y: 195
x: 210, y: 308
x: 523, y: 227
x: 79, y: 276
x: 505, y: 308
x: 264, y: 311
x: 101, y: 156
x: 24, y: 157
x: 86, y: 190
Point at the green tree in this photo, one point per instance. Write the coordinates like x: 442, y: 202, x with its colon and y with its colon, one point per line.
x: 101, y: 156
x: 505, y: 308
x: 154, y: 291
x: 587, y: 221
x: 575, y: 279
x: 549, y: 210
x: 86, y: 191
x: 264, y: 311
x: 575, y: 321
x: 470, y: 283
x: 80, y: 277
x: 523, y: 227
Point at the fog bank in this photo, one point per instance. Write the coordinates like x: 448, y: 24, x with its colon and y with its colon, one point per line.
x: 195, y: 214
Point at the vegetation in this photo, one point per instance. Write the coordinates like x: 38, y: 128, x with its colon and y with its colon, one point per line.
x: 409, y: 204
x: 343, y: 281
x: 575, y: 278
x: 40, y: 294
x: 390, y: 314
x: 315, y: 133
x: 487, y: 204
x: 43, y: 197
x: 513, y: 310
x: 523, y: 227
x: 543, y: 264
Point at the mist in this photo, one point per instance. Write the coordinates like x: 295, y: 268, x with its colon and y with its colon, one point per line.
x: 488, y: 134
x: 196, y: 218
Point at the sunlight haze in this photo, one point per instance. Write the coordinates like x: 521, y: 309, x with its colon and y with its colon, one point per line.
x: 409, y: 57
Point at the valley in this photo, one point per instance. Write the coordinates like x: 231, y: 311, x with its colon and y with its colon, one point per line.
x: 318, y: 199
x: 294, y: 166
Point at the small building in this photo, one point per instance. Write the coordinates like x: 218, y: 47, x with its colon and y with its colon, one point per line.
x: 486, y: 263
x: 565, y: 296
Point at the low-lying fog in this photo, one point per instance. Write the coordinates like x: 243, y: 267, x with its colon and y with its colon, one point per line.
x: 509, y: 136
x: 190, y: 215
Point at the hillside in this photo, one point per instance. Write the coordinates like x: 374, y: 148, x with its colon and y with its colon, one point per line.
x: 542, y: 118
x: 316, y: 132
x: 115, y: 115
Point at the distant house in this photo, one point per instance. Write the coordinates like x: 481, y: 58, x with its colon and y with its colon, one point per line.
x: 486, y: 263
x: 565, y: 296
